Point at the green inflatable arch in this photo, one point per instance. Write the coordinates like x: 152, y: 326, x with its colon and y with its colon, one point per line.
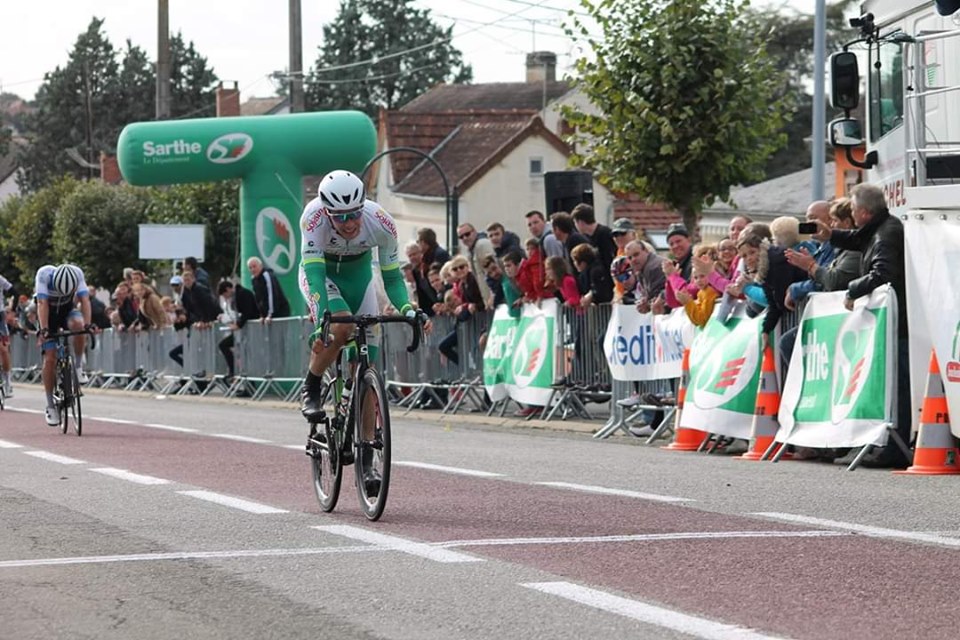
x: 269, y: 154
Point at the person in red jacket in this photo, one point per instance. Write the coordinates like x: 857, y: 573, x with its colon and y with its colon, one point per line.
x: 531, y: 277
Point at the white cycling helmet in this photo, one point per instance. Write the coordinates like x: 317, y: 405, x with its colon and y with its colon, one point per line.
x: 66, y: 279
x: 341, y: 192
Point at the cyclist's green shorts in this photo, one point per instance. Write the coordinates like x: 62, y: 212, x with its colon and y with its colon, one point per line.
x: 350, y: 289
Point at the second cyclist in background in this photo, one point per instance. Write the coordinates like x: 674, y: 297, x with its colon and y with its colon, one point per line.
x: 6, y: 289
x: 59, y: 290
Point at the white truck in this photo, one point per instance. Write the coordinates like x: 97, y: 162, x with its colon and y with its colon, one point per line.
x: 912, y: 128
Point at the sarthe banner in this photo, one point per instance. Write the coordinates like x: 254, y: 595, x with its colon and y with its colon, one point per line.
x: 519, y: 356
x: 642, y: 346
x: 933, y: 304
x: 724, y: 376
x: 841, y: 383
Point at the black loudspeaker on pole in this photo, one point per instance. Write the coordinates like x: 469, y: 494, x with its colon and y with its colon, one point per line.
x: 566, y: 189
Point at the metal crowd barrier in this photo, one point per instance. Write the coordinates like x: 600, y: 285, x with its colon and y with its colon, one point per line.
x: 271, y: 360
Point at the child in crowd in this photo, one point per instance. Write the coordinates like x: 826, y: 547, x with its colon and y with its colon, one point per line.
x: 512, y: 294
x: 559, y: 278
x: 699, y: 309
x: 532, y: 276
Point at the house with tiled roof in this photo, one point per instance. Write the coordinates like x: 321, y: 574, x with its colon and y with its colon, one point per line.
x: 494, y: 142
x: 788, y: 195
x: 10, y: 169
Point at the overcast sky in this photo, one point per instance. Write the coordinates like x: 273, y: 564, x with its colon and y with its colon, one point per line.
x: 245, y: 40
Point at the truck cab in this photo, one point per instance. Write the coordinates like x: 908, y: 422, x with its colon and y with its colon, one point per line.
x: 912, y: 129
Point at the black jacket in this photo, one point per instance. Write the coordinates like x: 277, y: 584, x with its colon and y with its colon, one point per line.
x: 199, y: 304
x: 880, y: 243
x: 269, y: 294
x: 602, y: 239
x: 246, y: 305
x: 780, y: 275
x: 510, y: 241
x: 596, y: 279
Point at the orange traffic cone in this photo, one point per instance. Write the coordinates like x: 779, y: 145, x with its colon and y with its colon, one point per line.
x: 685, y: 439
x: 765, y: 426
x: 936, y: 453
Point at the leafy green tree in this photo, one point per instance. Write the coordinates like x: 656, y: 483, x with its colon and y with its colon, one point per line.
x: 687, y: 98
x: 214, y: 204
x: 789, y: 38
x: 85, y: 104
x: 96, y: 228
x: 9, y: 210
x: 31, y: 231
x: 381, y: 53
x: 193, y: 83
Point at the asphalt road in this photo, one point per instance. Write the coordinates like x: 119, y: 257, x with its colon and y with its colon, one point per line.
x: 196, y: 519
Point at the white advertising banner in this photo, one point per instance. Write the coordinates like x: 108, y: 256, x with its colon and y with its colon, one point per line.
x: 841, y: 389
x: 933, y: 303
x: 642, y: 346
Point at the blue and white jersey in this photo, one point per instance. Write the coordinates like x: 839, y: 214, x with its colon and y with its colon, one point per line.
x: 43, y: 286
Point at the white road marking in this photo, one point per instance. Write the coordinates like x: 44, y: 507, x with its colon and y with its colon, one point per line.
x: 420, y: 549
x: 614, y: 492
x: 23, y: 410
x: 186, y: 555
x: 129, y: 476
x: 873, y: 532
x: 238, y: 438
x: 168, y: 427
x: 643, y: 537
x: 458, y: 470
x: 295, y: 447
x: 647, y: 613
x: 229, y: 501
x: 5, y: 444
x: 52, y: 457
x: 114, y: 420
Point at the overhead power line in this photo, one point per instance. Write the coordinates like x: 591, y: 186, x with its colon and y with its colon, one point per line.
x: 435, y: 43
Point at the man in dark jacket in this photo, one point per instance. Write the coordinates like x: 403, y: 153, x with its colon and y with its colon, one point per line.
x: 243, y: 305
x: 600, y: 236
x: 270, y: 297
x: 879, y: 239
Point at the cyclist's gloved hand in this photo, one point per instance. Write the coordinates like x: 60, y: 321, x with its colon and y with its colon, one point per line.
x: 409, y: 312
x: 45, y: 333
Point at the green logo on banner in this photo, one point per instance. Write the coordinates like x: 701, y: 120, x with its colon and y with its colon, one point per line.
x: 532, y: 352
x: 729, y: 367
x: 844, y: 367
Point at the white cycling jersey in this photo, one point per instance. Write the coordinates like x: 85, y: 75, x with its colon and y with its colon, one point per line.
x: 377, y: 230
x: 43, y: 287
x: 4, y: 287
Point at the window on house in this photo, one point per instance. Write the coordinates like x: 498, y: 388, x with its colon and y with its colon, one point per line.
x: 536, y: 166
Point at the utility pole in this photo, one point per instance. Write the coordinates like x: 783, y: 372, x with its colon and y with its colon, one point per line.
x: 163, y: 60
x: 818, y: 149
x: 297, y: 104
x: 89, y: 119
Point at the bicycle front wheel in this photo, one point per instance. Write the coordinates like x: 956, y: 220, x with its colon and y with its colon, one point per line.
x: 372, y: 464
x: 327, y: 466
x: 63, y: 402
x: 75, y: 414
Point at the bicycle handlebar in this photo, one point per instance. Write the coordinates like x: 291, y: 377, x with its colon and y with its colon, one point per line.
x: 416, y: 322
x: 66, y: 334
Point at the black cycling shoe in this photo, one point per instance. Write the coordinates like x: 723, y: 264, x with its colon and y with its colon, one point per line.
x: 311, y: 404
x: 371, y: 482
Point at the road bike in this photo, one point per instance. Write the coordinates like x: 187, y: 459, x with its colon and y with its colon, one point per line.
x: 67, y: 390
x: 338, y: 440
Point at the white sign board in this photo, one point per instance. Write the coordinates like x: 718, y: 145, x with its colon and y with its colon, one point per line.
x: 171, y: 241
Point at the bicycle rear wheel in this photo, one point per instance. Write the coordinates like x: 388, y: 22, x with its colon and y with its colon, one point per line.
x: 372, y: 465
x: 327, y: 466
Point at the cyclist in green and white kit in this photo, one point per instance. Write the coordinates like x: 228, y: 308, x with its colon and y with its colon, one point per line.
x: 340, y: 228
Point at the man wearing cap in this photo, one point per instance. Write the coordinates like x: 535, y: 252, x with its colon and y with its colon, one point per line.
x: 681, y: 249
x: 176, y: 287
x: 624, y: 232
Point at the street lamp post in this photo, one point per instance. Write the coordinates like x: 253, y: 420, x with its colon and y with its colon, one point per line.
x: 452, y: 198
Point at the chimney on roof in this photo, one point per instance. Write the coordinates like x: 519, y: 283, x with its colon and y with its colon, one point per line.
x: 109, y: 169
x: 228, y: 101
x: 542, y: 66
